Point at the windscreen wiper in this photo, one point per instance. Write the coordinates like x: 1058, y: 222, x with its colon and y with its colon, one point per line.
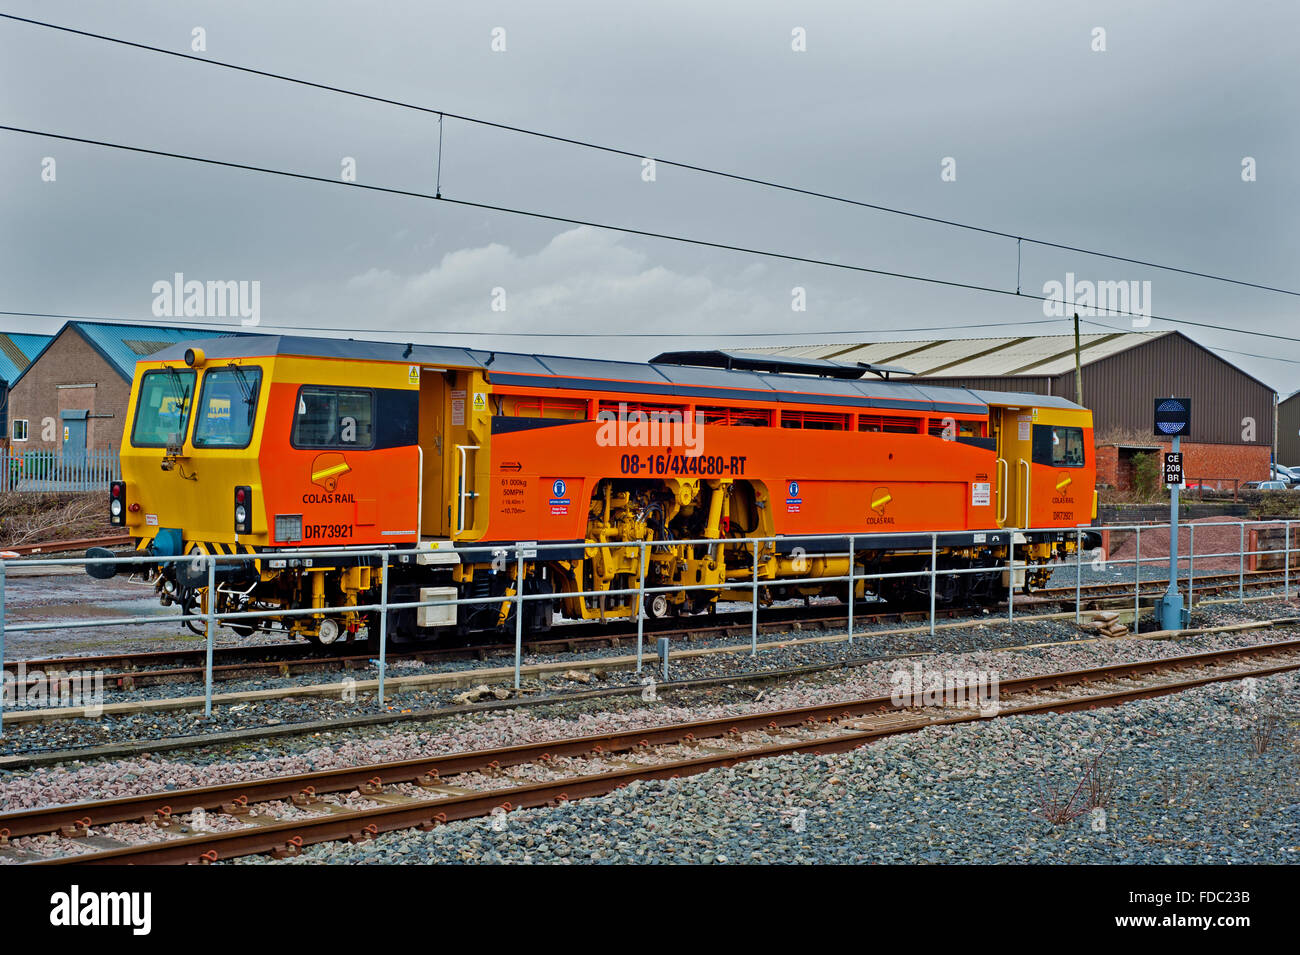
x: 182, y: 395
x: 250, y: 399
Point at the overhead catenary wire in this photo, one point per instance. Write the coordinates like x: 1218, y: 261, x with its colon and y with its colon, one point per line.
x: 639, y: 155
x: 1217, y: 348
x: 475, y: 333
x: 627, y: 230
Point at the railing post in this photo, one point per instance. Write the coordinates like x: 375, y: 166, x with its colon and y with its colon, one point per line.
x: 1137, y: 581
x: 641, y: 610
x: 1011, y: 577
x: 753, y: 619
x: 1286, y: 574
x: 212, y: 633
x: 383, y: 625
x: 1191, y: 564
x: 519, y: 611
x: 852, y: 560
x: 1241, y: 564
x: 3, y: 585
x: 1078, y: 576
x: 934, y: 566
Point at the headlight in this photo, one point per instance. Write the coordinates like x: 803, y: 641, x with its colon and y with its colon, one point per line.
x: 116, y: 508
x: 241, y: 514
x: 288, y: 528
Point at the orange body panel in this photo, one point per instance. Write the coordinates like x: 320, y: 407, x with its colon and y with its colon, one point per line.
x: 345, y: 497
x: 917, y: 482
x: 1062, y: 497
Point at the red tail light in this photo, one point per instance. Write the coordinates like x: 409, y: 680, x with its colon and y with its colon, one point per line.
x: 117, y: 504
x: 243, y: 510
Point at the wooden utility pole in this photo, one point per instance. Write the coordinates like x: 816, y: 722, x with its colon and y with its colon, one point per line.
x: 1078, y: 365
x: 1276, y: 462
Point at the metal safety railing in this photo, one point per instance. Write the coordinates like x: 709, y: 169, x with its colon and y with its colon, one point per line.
x: 847, y: 546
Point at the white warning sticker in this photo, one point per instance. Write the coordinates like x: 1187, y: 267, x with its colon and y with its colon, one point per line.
x: 981, y: 494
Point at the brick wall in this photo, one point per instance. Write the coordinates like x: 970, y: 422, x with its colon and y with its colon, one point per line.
x: 70, y: 360
x: 1108, y: 464
x: 1244, y: 462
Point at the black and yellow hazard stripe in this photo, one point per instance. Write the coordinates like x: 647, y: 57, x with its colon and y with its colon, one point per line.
x: 220, y: 549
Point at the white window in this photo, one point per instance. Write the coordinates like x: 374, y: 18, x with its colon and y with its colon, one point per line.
x: 20, y: 429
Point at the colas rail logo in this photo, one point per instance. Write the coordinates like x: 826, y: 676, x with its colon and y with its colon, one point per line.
x: 326, y: 471
x: 1063, y: 482
x: 879, y: 500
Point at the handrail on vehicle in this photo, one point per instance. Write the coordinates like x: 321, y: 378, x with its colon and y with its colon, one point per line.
x: 461, y: 492
x: 1003, y: 490
x: 1022, y: 463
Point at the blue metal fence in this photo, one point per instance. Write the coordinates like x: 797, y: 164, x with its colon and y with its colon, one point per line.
x: 53, y: 472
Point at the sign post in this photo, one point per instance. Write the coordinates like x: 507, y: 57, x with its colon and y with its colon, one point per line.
x: 1173, y: 418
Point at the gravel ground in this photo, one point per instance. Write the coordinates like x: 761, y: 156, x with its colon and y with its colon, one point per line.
x: 67, y: 597
x: 1187, y: 789
x: 81, y: 732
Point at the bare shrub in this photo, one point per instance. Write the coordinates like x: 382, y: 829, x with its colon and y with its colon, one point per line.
x: 27, y: 517
x: 1095, y: 789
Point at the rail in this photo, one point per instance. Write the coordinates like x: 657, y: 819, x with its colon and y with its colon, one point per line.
x: 433, y: 794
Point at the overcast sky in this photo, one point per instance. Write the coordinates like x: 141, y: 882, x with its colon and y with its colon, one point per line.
x: 1136, y: 150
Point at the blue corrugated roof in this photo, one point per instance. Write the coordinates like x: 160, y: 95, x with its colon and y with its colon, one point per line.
x: 124, y: 345
x: 13, y: 344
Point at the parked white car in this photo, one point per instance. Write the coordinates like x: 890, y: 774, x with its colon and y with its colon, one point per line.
x: 1265, y: 486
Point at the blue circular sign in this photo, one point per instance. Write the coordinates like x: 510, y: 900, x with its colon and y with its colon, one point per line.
x: 1173, y: 416
x: 558, y: 488
x: 794, y: 488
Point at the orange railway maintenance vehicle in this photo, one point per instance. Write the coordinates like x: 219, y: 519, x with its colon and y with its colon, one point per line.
x: 267, y: 444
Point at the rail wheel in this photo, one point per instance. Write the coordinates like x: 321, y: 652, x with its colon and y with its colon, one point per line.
x: 327, y: 634
x: 658, y: 605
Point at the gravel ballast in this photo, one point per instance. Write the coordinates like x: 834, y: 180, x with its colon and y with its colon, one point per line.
x: 1188, y: 788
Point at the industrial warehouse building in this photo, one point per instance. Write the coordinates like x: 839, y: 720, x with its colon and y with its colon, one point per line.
x: 1123, y: 372
x: 1288, y: 431
x: 72, y: 395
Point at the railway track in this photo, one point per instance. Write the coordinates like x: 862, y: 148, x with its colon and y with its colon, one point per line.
x: 281, y: 815
x: 68, y: 546
x: 126, y: 671
x: 1206, y: 584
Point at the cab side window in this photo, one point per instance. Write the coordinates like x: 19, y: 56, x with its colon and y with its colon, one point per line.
x: 1059, y: 447
x: 334, y: 418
